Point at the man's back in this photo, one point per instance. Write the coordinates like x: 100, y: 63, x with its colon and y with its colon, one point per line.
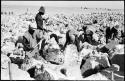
x: 31, y: 39
x: 39, y: 21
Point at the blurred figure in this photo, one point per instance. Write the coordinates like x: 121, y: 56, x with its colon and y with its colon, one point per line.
x: 72, y: 38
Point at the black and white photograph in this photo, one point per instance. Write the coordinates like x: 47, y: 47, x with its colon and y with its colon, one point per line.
x: 62, y: 40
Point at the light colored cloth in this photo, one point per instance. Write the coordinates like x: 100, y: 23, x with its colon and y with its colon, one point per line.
x: 4, y: 61
x: 17, y: 74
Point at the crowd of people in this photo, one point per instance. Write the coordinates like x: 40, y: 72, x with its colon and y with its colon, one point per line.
x: 62, y: 40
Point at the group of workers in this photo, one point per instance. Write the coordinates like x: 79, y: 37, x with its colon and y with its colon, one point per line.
x: 31, y: 40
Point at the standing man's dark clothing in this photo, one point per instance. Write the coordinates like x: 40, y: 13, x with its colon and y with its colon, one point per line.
x: 39, y: 21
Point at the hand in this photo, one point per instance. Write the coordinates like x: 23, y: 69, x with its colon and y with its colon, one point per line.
x: 45, y: 17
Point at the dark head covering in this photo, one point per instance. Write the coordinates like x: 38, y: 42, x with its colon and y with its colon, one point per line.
x: 42, y: 9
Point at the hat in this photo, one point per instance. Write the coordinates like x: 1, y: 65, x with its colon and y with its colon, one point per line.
x: 42, y: 9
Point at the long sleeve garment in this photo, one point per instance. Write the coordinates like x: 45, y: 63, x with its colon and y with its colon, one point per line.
x: 39, y: 21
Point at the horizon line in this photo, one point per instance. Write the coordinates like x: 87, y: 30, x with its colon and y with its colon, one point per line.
x: 68, y: 7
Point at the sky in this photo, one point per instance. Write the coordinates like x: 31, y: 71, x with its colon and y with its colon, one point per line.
x: 90, y: 4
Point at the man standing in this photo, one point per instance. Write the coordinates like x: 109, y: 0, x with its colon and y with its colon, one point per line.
x: 41, y: 30
x: 39, y: 18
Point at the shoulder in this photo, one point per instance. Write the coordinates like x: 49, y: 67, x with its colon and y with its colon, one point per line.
x: 38, y: 16
x: 36, y: 32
